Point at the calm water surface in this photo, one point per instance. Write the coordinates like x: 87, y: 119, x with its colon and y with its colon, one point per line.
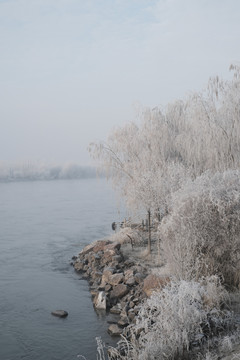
x: 42, y: 224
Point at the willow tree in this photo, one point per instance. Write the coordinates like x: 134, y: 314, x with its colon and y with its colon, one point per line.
x: 141, y: 164
x: 150, y: 161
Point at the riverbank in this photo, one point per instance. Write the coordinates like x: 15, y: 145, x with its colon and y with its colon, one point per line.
x: 119, y: 279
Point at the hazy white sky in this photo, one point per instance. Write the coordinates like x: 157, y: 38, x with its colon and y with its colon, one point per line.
x: 71, y: 70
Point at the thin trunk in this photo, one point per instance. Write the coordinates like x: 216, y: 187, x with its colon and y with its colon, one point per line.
x: 149, y: 232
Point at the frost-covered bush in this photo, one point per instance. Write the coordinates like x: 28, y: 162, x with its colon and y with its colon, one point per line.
x: 201, y: 234
x: 182, y: 315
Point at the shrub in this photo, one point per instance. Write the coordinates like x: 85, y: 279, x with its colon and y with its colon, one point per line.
x: 201, y: 234
x: 174, y: 321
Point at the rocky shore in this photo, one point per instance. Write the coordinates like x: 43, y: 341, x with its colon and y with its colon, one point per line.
x: 118, y: 284
x: 120, y: 281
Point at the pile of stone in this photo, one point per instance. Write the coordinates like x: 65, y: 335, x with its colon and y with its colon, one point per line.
x: 116, y: 283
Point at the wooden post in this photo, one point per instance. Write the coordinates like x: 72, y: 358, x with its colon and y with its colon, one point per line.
x: 149, y: 232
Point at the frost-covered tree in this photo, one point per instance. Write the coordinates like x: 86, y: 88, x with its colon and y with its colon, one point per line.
x: 137, y: 160
x: 150, y: 161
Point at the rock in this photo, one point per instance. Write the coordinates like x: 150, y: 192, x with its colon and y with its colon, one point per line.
x: 116, y: 309
x: 87, y: 249
x: 139, y: 277
x: 95, y: 246
x: 96, y: 275
x: 117, y: 258
x: 100, y: 245
x: 131, y: 304
x: 113, y: 246
x: 78, y: 266
x: 100, y: 301
x: 128, y: 263
x: 128, y: 274
x: 115, y: 265
x: 108, y: 255
x: 135, y: 300
x: 108, y: 287
x: 59, y: 313
x: 119, y: 291
x: 115, y: 279
x: 114, y: 330
x: 107, y: 272
x: 154, y: 283
x: 94, y: 258
x: 85, y: 268
x: 112, y: 321
x: 89, y: 271
x: 131, y: 281
x: 123, y: 321
x: 94, y: 293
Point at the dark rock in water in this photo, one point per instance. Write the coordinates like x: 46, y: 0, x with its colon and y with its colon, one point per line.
x: 60, y: 313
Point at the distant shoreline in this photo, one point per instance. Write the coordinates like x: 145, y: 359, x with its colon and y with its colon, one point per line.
x: 43, y: 172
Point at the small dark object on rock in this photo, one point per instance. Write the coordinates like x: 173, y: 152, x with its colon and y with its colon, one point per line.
x: 60, y: 313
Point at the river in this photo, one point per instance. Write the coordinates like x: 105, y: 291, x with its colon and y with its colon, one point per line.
x: 42, y: 225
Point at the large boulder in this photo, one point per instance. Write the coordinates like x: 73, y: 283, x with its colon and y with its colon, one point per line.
x: 100, y: 245
x: 115, y: 279
x: 87, y: 249
x: 95, y: 246
x: 100, y: 301
x: 107, y: 273
x: 113, y: 246
x: 114, y: 330
x: 119, y: 291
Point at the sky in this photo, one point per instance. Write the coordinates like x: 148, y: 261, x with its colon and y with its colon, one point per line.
x: 72, y: 70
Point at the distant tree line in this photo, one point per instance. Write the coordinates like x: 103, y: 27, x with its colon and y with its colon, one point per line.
x: 39, y: 171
